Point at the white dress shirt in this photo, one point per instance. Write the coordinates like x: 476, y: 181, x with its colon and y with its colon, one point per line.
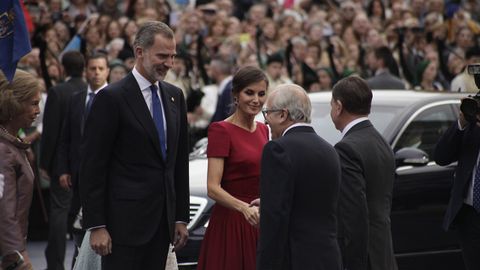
x: 353, y: 123
x: 296, y: 125
x: 89, y: 90
x: 144, y: 85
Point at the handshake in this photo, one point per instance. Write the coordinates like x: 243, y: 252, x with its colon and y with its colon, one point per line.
x: 252, y: 212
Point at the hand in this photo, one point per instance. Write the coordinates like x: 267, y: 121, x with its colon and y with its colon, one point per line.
x: 181, y: 236
x: 251, y: 214
x: 13, y: 260
x: 27, y: 264
x: 100, y: 241
x: 461, y: 119
x: 65, y: 181
x: 255, y: 202
x: 44, y: 174
x: 32, y: 137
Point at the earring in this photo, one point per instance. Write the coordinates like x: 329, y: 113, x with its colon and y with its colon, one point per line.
x: 235, y: 101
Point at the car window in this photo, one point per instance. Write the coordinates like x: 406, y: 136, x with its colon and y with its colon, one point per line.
x: 426, y: 128
x: 380, y: 117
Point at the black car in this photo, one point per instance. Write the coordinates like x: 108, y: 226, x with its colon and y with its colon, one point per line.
x: 412, y: 122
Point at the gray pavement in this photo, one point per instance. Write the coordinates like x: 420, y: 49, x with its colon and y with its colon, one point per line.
x: 36, y: 251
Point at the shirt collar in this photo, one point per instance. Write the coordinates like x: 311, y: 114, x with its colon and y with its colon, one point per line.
x: 353, y: 123
x: 89, y: 89
x: 143, y: 83
x: 296, y: 125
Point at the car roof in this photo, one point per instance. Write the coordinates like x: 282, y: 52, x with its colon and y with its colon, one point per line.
x: 402, y: 98
x: 403, y: 104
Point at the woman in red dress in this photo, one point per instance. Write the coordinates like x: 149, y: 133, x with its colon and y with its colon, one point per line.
x: 234, y: 151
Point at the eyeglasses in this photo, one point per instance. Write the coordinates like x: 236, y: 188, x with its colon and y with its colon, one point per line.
x: 265, y: 112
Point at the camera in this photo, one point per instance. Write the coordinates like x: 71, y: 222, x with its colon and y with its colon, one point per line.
x: 470, y: 105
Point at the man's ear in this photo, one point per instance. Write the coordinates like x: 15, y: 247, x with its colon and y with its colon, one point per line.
x: 284, y: 115
x: 138, y: 51
x: 338, y: 107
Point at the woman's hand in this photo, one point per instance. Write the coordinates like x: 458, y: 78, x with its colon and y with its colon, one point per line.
x: 251, y: 214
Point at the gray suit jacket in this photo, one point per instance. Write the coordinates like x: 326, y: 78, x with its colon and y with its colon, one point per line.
x: 368, y: 172
x: 385, y: 80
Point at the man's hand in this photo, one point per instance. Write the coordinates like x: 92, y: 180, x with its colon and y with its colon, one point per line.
x: 181, y: 235
x: 44, y: 174
x: 65, y: 181
x: 100, y: 241
x: 255, y: 202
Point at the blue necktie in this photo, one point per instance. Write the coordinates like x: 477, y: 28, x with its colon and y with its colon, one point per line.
x: 476, y: 190
x: 158, y: 119
x: 91, y: 97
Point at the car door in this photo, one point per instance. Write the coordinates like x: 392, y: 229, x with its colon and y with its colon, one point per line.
x: 421, y: 194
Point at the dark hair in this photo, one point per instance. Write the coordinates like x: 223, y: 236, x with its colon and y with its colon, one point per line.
x: 97, y: 55
x: 385, y: 54
x: 370, y: 8
x: 246, y: 76
x: 472, y: 52
x: 275, y: 58
x: 74, y: 63
x: 354, y: 93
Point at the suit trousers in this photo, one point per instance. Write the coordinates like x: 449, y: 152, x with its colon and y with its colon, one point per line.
x: 468, y: 231
x: 150, y: 256
x: 60, y: 200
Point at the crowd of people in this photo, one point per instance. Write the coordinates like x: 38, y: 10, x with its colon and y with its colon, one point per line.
x: 417, y: 44
x: 85, y: 45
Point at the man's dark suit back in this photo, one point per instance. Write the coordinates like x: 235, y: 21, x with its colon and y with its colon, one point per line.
x: 70, y: 139
x: 55, y: 109
x: 300, y: 178
x: 224, y: 104
x: 368, y: 173
x: 125, y: 183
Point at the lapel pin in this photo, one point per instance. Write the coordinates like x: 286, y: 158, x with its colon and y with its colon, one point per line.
x: 173, y: 100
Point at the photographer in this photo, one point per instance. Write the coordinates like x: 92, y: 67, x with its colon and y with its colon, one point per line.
x: 461, y: 143
x: 464, y: 81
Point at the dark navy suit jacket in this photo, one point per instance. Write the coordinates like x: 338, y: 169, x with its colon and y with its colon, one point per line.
x: 125, y: 182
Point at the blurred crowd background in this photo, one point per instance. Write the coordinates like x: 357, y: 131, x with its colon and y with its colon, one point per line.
x: 424, y: 44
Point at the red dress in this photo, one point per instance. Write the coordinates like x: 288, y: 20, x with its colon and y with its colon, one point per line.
x: 230, y: 242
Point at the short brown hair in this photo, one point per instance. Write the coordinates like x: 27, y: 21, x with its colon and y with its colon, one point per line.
x: 355, y: 95
x: 145, y: 36
x: 22, y: 88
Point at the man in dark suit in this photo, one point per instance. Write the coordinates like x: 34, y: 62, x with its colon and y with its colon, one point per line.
x: 299, y: 185
x: 77, y: 110
x: 368, y: 172
x: 55, y: 109
x: 461, y: 143
x: 221, y: 72
x: 134, y: 161
x: 381, y: 61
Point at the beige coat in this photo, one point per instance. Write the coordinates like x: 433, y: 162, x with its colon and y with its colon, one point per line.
x: 17, y: 194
